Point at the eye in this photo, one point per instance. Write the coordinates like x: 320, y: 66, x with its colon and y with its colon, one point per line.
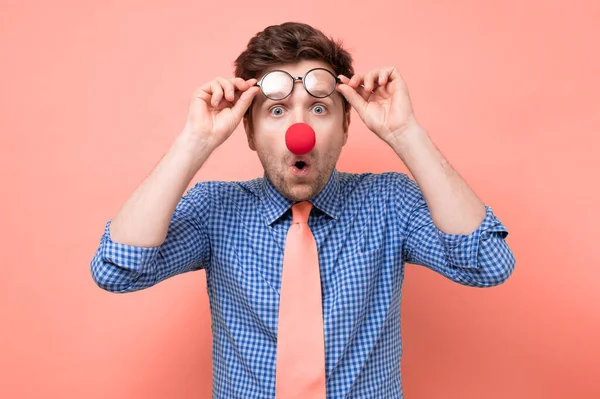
x: 276, y: 111
x: 320, y: 109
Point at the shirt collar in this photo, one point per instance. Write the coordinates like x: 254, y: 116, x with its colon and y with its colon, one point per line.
x: 326, y: 200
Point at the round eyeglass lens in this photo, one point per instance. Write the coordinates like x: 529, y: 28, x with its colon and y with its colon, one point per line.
x: 319, y: 83
x: 277, y: 85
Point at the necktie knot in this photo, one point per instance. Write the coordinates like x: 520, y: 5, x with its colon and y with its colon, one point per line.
x: 301, y: 211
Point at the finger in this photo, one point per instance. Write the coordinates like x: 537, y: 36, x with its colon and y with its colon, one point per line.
x: 201, y: 94
x: 239, y: 84
x: 355, y: 99
x: 364, y: 93
x: 208, y: 88
x: 394, y: 74
x: 225, y: 103
x: 383, y: 77
x: 243, y: 85
x: 237, y: 96
x: 228, y: 88
x: 244, y: 101
x: 251, y: 82
x: 369, y: 80
x: 217, y: 93
x: 360, y: 90
x: 387, y: 75
x: 204, y: 92
x: 356, y: 80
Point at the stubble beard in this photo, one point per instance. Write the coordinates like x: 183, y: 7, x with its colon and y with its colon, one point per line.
x: 293, y: 188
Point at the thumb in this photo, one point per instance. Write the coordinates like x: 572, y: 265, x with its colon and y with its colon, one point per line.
x: 353, y: 97
x: 242, y: 104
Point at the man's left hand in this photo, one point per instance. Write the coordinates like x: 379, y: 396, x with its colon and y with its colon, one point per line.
x: 381, y: 99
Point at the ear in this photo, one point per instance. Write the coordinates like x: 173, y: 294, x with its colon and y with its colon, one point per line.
x: 346, y: 125
x: 249, y: 134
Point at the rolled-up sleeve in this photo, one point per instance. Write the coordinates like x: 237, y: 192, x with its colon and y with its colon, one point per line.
x: 118, y: 267
x: 479, y: 259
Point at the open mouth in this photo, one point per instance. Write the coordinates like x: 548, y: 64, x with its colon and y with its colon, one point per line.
x: 300, y: 165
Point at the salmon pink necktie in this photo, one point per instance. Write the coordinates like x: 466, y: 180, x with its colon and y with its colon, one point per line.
x: 300, y: 369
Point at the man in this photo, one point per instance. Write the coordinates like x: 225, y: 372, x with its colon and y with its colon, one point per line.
x: 294, y: 89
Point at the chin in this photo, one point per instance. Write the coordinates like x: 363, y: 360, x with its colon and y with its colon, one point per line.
x: 300, y: 193
x: 293, y: 190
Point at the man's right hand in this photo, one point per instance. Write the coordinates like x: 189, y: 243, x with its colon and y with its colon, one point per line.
x: 217, y: 107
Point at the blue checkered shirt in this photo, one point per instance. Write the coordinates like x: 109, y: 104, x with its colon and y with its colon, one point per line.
x: 367, y: 226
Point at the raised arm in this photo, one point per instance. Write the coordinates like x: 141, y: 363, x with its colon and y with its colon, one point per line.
x: 158, y: 232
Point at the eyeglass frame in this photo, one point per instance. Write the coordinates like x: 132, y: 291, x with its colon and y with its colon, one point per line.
x: 299, y: 78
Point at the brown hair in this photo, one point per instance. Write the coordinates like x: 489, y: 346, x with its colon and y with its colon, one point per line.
x: 288, y: 43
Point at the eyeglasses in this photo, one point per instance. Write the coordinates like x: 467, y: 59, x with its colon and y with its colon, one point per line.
x: 318, y: 82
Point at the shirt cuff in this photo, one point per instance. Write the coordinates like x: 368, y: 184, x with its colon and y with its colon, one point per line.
x: 461, y: 249
x: 133, y: 258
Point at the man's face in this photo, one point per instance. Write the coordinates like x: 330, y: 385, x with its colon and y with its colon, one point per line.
x: 270, y: 121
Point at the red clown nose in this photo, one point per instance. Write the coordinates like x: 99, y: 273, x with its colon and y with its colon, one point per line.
x: 300, y: 138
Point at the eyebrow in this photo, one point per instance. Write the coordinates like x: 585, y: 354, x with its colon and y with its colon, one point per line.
x: 268, y: 101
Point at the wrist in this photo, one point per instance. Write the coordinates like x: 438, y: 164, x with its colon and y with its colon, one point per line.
x: 192, y: 149
x: 408, y: 137
x: 194, y: 141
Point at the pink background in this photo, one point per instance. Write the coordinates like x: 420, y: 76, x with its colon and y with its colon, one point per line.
x: 93, y: 94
